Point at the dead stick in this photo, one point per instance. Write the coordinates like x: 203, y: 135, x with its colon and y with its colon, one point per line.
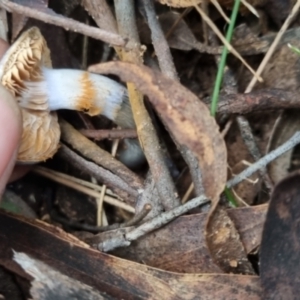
x: 67, y: 23
x: 167, y: 67
x: 119, y: 186
x: 155, y: 223
x: 125, y: 13
x: 101, y: 157
x: 109, y: 133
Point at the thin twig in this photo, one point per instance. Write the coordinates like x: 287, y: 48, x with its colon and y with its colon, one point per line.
x: 167, y: 67
x: 155, y: 223
x: 160, y: 44
x: 85, y: 45
x: 125, y: 13
x: 139, y: 216
x: 85, y: 190
x: 248, y: 138
x: 97, y: 229
x: 262, y: 163
x: 187, y: 193
x: 100, y: 200
x: 258, y: 101
x: 73, y: 180
x: 102, y: 14
x: 109, y: 134
x: 59, y: 20
x: 220, y: 10
x: 150, y: 195
x: 176, y: 23
x: 91, y: 151
x: 120, y: 187
x: 105, y: 20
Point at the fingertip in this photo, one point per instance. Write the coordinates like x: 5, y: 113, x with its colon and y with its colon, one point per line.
x: 3, y: 47
x: 10, y: 134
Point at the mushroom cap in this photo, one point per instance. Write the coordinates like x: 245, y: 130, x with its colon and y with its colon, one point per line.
x: 20, y: 65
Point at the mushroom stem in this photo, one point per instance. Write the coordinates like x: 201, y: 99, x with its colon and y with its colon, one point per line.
x: 83, y: 91
x: 93, y: 94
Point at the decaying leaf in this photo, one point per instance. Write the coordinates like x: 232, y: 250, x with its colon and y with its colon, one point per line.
x: 111, y: 275
x: 181, y: 247
x: 187, y: 118
x: 280, y: 255
x: 224, y: 243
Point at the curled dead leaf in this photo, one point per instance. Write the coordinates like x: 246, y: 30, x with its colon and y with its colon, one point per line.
x: 186, y: 117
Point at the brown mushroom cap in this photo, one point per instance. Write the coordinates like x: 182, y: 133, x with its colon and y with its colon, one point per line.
x: 22, y: 63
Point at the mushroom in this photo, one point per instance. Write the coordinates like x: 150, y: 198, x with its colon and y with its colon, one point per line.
x: 26, y: 71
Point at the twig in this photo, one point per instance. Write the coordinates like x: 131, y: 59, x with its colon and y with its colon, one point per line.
x: 125, y: 14
x: 262, y: 163
x: 273, y: 46
x: 187, y: 193
x: 167, y: 67
x: 73, y: 181
x: 139, y: 216
x: 220, y: 10
x: 151, y: 196
x: 97, y: 229
x: 100, y: 200
x: 109, y: 133
x: 160, y: 44
x: 175, y: 24
x: 258, y: 101
x: 59, y: 20
x: 83, y: 189
x: 114, y: 182
x: 155, y: 223
x: 91, y: 151
x: 105, y: 20
x: 248, y: 138
x: 85, y: 46
x: 102, y: 14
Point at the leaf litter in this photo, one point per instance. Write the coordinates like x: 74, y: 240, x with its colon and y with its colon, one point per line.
x: 204, y: 248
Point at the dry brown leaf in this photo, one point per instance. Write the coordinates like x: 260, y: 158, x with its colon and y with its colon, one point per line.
x: 181, y: 247
x: 111, y: 275
x: 224, y: 243
x: 187, y: 118
x: 249, y: 223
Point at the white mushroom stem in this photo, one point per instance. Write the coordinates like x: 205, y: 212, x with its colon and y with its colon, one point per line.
x: 82, y: 91
x: 88, y: 92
